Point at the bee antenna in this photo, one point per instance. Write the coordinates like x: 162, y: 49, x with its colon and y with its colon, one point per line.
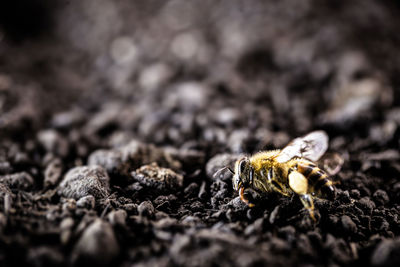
x: 217, y: 173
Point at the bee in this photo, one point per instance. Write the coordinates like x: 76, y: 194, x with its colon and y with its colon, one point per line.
x: 292, y: 170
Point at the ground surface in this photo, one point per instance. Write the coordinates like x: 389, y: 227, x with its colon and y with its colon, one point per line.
x: 114, y: 117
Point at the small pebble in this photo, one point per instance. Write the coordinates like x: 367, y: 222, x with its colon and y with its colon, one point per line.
x: 202, y: 192
x: 53, y: 142
x: 157, y: 177
x: 111, y: 160
x: 380, y: 197
x: 97, y: 245
x: 348, y: 224
x: 130, y: 208
x: 87, y: 202
x: 117, y: 217
x: 5, y: 167
x: 387, y: 253
x: 146, y: 209
x: 66, y: 230
x: 288, y: 233
x: 20, y: 180
x: 45, y: 256
x: 52, y: 172
x: 366, y: 204
x: 69, y: 205
x: 83, y: 181
x: 191, y: 190
x: 344, y: 196
x: 355, y: 193
x: 274, y: 215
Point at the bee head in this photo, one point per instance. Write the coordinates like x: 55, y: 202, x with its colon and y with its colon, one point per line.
x: 243, y: 176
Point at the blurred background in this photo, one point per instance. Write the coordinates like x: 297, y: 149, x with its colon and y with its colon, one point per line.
x: 225, y: 74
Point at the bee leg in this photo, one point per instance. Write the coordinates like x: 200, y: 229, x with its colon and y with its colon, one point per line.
x: 244, y: 199
x: 299, y: 184
x: 273, y: 184
x: 308, y: 203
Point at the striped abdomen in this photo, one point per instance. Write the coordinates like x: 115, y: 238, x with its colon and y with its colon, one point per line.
x: 318, y: 180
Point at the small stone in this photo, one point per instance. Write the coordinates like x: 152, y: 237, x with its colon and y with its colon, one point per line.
x: 288, y: 233
x: 160, y: 215
x: 3, y: 221
x: 68, y: 119
x: 4, y: 190
x: 52, y: 173
x: 105, y: 117
x: 188, y: 96
x: 237, y: 140
x: 111, y: 160
x: 355, y: 193
x: 66, y: 230
x: 53, y: 142
x: 153, y: 76
x: 304, y: 244
x: 348, y: 224
x: 387, y: 253
x: 237, y: 204
x: 157, y: 177
x: 196, y: 206
x: 117, y: 217
x: 387, y: 155
x: 254, y: 228
x: 146, y: 209
x: 83, y: 181
x: 137, y: 154
x: 97, y: 245
x: 69, y: 205
x: 67, y: 223
x: 278, y: 245
x: 202, y: 192
x: 163, y: 202
x: 366, y: 204
x: 274, y: 215
x: 87, y: 202
x: 191, y: 190
x: 45, y: 256
x: 333, y: 220
x: 20, y: 180
x: 165, y: 223
x: 191, y: 220
x: 5, y: 167
x: 227, y: 116
x: 130, y: 208
x: 344, y: 197
x: 380, y: 197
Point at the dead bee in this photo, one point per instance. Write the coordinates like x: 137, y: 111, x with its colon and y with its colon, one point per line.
x: 287, y: 171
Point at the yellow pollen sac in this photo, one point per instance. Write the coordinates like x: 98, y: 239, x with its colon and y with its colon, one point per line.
x: 298, y: 182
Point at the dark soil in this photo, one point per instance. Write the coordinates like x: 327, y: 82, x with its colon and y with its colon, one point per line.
x: 114, y: 117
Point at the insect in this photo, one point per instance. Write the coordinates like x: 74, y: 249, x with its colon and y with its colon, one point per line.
x: 287, y: 171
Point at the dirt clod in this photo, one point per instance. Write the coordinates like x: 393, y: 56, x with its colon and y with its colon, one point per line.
x: 97, y: 244
x: 83, y: 181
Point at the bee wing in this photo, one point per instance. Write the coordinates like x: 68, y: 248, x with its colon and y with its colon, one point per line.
x: 331, y: 163
x: 311, y: 146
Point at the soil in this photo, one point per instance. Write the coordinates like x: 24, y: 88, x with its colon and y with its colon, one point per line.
x: 114, y: 117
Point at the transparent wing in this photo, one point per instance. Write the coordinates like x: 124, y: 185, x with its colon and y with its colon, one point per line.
x: 311, y: 146
x: 331, y: 163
